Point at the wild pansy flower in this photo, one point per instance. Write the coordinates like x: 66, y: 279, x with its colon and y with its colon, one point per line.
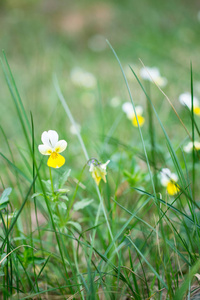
x: 127, y: 107
x: 186, y: 99
x: 153, y: 74
x: 98, y: 170
x: 82, y: 78
x: 52, y: 146
x: 169, y: 180
x: 189, y: 147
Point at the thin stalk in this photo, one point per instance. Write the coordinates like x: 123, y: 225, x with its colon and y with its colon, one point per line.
x: 152, y: 135
x: 139, y: 128
x: 68, y: 112
x: 193, y: 139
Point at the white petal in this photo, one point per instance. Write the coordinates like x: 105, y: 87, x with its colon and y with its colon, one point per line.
x: 161, y: 81
x: 103, y: 166
x: 82, y: 78
x: 127, y: 107
x: 197, y: 145
x: 174, y: 177
x: 49, y: 138
x: 148, y: 73
x: 185, y: 99
x: 45, y: 138
x: 91, y: 167
x: 60, y: 146
x: 45, y: 149
x: 165, y: 176
x: 188, y: 147
x: 53, y: 137
x: 139, y: 110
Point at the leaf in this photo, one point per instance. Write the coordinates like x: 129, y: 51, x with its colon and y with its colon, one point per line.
x: 47, y: 184
x: 82, y: 204
x: 64, y: 197
x: 3, y: 261
x: 62, y: 205
x: 5, y: 195
x: 37, y: 194
x: 76, y: 225
x: 3, y: 206
x: 64, y: 178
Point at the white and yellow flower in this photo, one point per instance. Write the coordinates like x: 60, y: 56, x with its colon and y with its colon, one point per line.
x: 127, y: 107
x: 52, y: 146
x: 82, y: 78
x: 189, y: 147
x: 169, y: 180
x: 153, y: 75
x: 186, y: 99
x: 98, y: 170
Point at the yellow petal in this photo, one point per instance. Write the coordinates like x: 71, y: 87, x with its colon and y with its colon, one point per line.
x: 56, y: 160
x: 140, y: 120
x: 196, y: 110
x: 96, y: 177
x: 172, y: 188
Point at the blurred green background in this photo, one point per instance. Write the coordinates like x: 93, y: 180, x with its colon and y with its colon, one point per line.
x: 42, y: 38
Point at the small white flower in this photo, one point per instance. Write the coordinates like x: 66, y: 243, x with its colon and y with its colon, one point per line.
x: 127, y: 107
x: 189, y: 147
x: 186, y: 99
x: 52, y: 146
x: 153, y: 74
x: 168, y: 180
x: 82, y: 78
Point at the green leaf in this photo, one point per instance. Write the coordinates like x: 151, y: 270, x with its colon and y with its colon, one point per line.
x: 5, y: 195
x: 37, y: 194
x: 4, y: 261
x: 47, y: 184
x: 62, y: 205
x: 76, y: 225
x: 82, y: 204
x: 64, y: 197
x: 64, y: 178
x: 3, y: 206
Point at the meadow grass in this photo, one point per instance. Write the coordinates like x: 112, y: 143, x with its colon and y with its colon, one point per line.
x: 65, y: 237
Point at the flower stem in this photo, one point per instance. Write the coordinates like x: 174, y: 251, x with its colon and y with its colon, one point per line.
x: 50, y: 175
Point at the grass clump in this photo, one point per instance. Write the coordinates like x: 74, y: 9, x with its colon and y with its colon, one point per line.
x: 116, y: 216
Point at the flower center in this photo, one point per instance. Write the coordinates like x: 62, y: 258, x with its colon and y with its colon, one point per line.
x: 54, y: 155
